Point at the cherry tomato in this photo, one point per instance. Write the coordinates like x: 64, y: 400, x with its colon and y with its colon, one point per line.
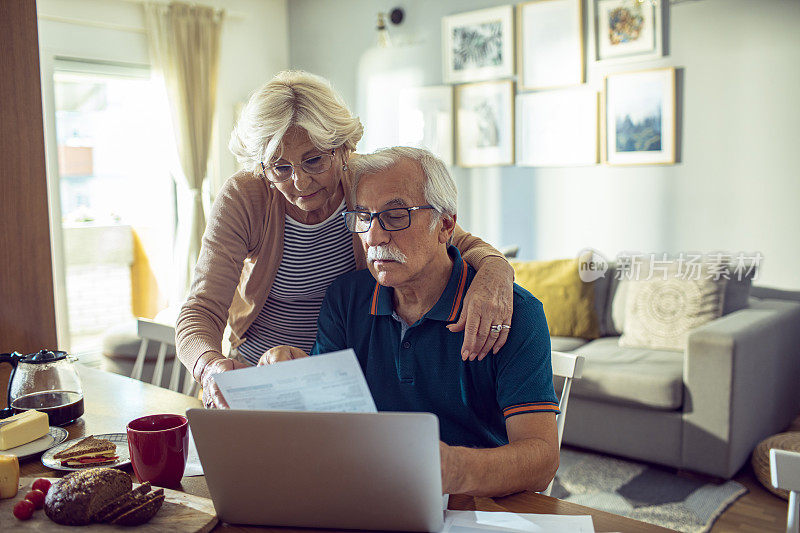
x: 36, y: 497
x: 42, y: 485
x: 23, y: 510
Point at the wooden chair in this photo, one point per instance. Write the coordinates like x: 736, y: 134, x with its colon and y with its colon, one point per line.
x: 784, y: 466
x: 151, y: 331
x: 568, y: 366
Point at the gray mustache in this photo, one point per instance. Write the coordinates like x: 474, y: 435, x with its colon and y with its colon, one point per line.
x: 385, y: 253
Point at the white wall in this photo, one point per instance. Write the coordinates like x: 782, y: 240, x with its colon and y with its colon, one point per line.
x: 254, y: 46
x: 734, y: 189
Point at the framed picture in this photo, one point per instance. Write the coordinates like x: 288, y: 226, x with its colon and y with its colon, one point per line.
x: 640, y: 117
x: 550, y: 43
x: 425, y: 120
x: 628, y: 30
x: 478, y: 45
x: 485, y: 124
x: 557, y: 128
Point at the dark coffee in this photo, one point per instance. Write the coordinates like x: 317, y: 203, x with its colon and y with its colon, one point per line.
x: 62, y: 407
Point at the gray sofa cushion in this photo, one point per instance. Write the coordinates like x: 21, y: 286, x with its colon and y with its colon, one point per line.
x: 566, y: 344
x: 632, y: 376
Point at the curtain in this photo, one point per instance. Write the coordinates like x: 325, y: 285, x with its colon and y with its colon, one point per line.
x: 184, y: 48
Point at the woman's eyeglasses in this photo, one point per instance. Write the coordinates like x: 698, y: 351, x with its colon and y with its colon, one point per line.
x: 316, y: 164
x: 393, y: 219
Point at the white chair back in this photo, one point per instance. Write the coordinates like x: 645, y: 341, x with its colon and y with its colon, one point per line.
x: 784, y: 466
x: 568, y: 366
x: 150, y: 331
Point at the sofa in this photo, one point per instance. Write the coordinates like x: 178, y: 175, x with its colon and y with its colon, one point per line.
x: 702, y: 409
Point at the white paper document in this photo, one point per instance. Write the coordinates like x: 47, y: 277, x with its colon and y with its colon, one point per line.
x: 193, y: 466
x: 328, y: 382
x: 483, y: 521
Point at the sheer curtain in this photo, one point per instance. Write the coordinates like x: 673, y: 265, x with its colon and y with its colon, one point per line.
x: 184, y: 47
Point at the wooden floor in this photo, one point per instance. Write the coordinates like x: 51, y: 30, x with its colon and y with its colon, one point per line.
x: 758, y: 511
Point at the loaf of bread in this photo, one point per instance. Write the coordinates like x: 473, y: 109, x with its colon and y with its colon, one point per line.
x: 77, y: 497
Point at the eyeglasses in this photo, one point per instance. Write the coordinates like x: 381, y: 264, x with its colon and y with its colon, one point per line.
x: 316, y: 164
x: 393, y: 219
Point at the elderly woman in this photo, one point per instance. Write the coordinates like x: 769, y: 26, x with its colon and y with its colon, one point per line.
x: 275, y: 238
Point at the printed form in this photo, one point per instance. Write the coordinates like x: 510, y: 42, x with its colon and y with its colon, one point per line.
x: 327, y: 382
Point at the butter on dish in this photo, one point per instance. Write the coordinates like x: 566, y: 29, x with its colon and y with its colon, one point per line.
x: 23, y: 428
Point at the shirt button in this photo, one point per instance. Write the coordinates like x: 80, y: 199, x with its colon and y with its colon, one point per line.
x: 406, y: 345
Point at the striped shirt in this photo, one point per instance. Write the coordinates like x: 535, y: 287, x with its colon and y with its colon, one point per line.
x: 313, y: 256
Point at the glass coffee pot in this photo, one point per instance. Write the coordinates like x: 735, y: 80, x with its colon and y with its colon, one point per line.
x: 45, y: 381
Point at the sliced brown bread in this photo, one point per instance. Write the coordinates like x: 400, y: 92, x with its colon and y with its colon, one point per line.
x: 111, y: 509
x: 130, y: 504
x: 75, y: 498
x: 142, y: 513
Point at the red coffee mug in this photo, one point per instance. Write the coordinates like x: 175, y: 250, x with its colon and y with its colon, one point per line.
x: 158, y: 446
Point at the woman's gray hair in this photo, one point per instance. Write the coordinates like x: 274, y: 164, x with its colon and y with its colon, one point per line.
x: 439, y: 188
x: 292, y: 98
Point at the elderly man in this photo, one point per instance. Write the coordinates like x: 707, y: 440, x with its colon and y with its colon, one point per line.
x: 496, y: 416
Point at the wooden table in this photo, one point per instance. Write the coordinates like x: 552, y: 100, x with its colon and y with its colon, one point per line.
x: 111, y: 401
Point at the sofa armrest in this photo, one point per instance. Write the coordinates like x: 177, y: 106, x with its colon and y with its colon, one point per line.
x: 740, y: 374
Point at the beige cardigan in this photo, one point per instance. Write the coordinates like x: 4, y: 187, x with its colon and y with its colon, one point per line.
x: 242, y: 249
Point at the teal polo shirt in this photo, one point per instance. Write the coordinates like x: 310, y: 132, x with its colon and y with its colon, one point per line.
x: 419, y: 367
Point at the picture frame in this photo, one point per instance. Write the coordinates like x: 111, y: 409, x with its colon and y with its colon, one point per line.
x: 478, y: 45
x: 627, y: 30
x: 425, y: 120
x: 640, y: 117
x: 485, y: 124
x: 550, y: 44
x: 558, y: 128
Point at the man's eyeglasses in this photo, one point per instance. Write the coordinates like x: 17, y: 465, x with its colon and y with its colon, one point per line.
x: 393, y: 219
x: 316, y: 164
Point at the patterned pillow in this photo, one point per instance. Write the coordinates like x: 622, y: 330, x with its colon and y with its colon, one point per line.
x: 660, y: 312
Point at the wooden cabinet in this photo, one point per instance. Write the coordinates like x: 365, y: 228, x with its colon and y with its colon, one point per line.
x: 27, y: 311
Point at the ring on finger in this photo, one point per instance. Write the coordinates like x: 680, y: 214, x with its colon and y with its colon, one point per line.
x: 497, y: 328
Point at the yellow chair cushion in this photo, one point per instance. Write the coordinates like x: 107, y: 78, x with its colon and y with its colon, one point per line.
x: 568, y: 302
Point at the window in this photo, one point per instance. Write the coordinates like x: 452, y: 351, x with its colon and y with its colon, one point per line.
x: 115, y: 152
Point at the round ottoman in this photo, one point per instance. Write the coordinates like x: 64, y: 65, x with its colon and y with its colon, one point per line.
x: 760, y: 460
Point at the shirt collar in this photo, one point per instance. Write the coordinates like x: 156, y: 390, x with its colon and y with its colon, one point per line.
x: 446, y: 308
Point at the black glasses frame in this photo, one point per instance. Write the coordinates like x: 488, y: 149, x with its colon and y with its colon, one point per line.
x: 294, y: 172
x: 373, y: 216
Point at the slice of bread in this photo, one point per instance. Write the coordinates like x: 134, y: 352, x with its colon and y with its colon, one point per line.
x: 88, y: 446
x: 111, y: 509
x: 143, y: 512
x: 131, y: 503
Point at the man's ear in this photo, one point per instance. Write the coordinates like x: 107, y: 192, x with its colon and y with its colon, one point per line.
x: 448, y: 226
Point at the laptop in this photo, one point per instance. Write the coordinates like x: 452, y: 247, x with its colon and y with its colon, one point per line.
x: 375, y: 471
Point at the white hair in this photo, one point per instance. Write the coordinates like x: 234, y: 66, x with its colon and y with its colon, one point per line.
x: 292, y: 98
x: 439, y: 188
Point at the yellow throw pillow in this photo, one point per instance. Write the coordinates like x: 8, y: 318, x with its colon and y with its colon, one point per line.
x: 568, y: 301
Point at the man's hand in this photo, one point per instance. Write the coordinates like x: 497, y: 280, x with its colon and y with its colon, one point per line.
x: 489, y: 301
x: 281, y: 353
x: 212, y: 397
x: 450, y: 460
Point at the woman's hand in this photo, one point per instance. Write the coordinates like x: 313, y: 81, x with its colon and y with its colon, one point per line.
x: 212, y: 397
x: 281, y: 353
x: 488, y: 302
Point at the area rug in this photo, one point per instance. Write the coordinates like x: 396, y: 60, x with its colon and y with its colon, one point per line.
x: 642, y: 491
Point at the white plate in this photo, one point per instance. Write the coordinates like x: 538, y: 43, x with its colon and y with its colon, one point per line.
x: 120, y: 439
x: 54, y: 437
